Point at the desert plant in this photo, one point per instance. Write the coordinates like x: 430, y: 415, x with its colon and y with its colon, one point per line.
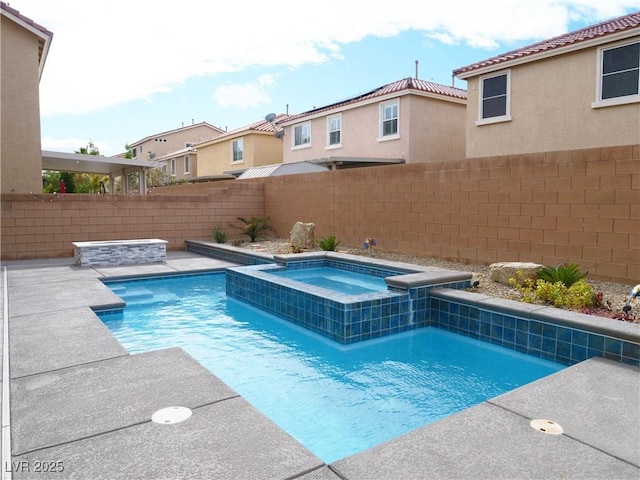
x: 254, y: 226
x: 219, y: 234
x: 566, y: 273
x: 329, y: 244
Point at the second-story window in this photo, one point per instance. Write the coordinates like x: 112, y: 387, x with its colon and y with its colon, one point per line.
x: 302, y: 135
x: 238, y: 150
x: 389, y: 123
x: 495, y: 97
x: 620, y: 71
x: 334, y: 128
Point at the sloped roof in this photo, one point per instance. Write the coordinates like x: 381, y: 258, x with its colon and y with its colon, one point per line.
x: 601, y: 30
x: 407, y: 85
x: 262, y: 126
x: 279, y: 169
x: 195, y: 125
x: 45, y: 35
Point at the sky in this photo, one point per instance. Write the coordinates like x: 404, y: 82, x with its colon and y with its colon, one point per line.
x: 118, y: 71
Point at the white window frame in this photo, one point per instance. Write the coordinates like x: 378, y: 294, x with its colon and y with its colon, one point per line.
x: 187, y: 164
x: 383, y: 107
x: 307, y: 144
x: 599, y: 102
x: 500, y: 118
x: 173, y: 167
x: 240, y: 142
x: 330, y: 120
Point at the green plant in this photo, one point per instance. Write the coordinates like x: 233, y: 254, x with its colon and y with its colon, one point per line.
x: 578, y: 296
x: 219, y: 234
x: 329, y: 244
x: 566, y: 273
x: 254, y: 226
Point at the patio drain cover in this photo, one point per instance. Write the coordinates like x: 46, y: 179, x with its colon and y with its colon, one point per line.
x: 546, y: 426
x: 166, y: 416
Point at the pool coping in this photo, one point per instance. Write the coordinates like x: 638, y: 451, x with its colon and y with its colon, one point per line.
x: 400, y: 458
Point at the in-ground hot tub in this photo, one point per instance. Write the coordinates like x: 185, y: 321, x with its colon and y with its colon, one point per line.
x: 120, y: 252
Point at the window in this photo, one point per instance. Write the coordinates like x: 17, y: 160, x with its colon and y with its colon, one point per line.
x: 238, y: 150
x: 495, y: 97
x: 620, y: 67
x: 134, y: 152
x: 187, y: 164
x: 389, y: 124
x: 302, y: 135
x: 188, y: 144
x: 334, y: 129
x: 173, y: 167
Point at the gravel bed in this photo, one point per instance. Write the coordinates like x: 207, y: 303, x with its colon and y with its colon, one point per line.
x: 614, y: 294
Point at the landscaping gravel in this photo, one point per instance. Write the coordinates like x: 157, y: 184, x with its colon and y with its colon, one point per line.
x: 614, y: 294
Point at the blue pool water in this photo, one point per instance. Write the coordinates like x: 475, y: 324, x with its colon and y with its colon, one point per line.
x: 341, y: 281
x: 336, y: 400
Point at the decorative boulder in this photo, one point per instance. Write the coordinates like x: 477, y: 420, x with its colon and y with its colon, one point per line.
x: 302, y: 235
x: 501, y: 272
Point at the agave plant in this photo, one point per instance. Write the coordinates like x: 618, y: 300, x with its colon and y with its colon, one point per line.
x: 567, y: 274
x: 329, y: 244
x: 219, y: 234
x: 254, y: 226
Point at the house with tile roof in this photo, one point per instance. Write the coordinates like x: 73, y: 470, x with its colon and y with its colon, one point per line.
x: 233, y: 152
x: 574, y: 91
x: 25, y: 45
x: 408, y: 121
x: 164, y: 143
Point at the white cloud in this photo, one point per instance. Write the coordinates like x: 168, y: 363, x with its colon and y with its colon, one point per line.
x: 108, y: 53
x: 245, y: 95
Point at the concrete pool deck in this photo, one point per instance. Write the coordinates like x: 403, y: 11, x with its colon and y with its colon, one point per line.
x: 79, y: 402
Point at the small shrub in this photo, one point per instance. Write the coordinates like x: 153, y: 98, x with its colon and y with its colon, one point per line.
x: 254, y: 226
x: 219, y: 234
x: 578, y: 296
x: 237, y: 242
x: 329, y: 244
x: 568, y: 274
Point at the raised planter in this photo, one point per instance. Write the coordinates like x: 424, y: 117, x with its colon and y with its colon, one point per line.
x: 120, y: 252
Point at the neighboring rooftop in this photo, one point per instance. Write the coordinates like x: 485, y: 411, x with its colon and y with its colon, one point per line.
x: 406, y: 85
x: 261, y: 126
x: 168, y: 132
x: 571, y: 39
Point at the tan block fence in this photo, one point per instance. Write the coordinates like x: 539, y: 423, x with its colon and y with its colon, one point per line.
x: 579, y: 206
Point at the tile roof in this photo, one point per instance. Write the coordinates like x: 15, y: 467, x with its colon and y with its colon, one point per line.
x: 201, y: 124
x: 259, y: 126
x: 626, y: 22
x: 27, y: 20
x: 406, y: 84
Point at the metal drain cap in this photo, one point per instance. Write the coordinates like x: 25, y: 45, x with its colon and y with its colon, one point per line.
x: 546, y: 426
x: 166, y: 416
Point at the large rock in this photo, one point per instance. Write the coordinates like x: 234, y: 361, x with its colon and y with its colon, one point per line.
x: 303, y: 235
x: 501, y: 272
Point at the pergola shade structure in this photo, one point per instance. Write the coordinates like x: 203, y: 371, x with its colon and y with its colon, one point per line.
x: 99, y: 165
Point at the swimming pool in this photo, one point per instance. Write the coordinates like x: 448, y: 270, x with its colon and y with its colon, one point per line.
x: 335, y: 399
x: 335, y: 279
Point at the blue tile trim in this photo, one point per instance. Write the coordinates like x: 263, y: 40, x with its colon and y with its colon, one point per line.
x: 559, y: 343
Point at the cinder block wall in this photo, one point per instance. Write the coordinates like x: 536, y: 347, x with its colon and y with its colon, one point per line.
x: 43, y: 226
x: 579, y: 206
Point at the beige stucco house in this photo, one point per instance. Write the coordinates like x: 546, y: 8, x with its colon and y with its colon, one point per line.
x: 409, y: 120
x: 253, y: 145
x: 25, y: 45
x: 179, y: 165
x: 179, y: 139
x: 574, y: 91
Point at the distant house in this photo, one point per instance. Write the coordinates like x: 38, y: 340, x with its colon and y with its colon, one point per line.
x: 409, y: 120
x: 254, y: 145
x: 578, y: 90
x: 179, y: 165
x: 161, y: 144
x: 25, y: 45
